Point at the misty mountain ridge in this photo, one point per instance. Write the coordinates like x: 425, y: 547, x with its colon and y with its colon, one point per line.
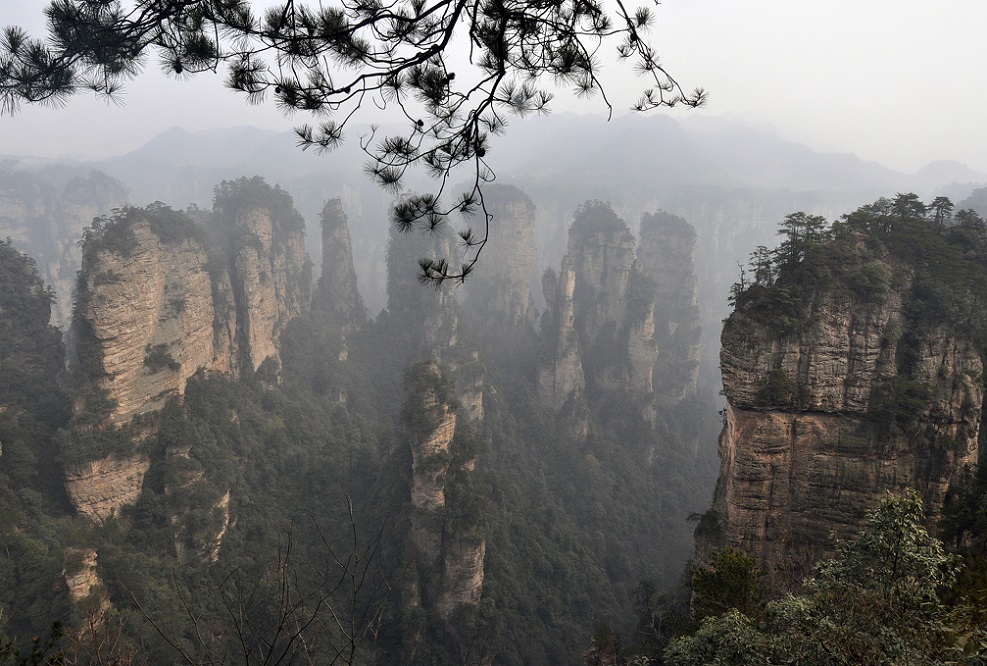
x: 628, y: 151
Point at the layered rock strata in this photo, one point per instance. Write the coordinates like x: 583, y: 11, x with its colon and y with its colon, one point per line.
x: 99, y: 489
x: 158, y: 302
x: 449, y: 557
x: 269, y: 272
x: 620, y: 318
x: 150, y: 310
x: 80, y: 574
x: 337, y: 286
x: 500, y: 287
x: 814, y: 435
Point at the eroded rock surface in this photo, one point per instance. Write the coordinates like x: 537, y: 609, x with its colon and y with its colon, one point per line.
x: 449, y: 557
x: 99, y: 489
x: 150, y: 311
x: 814, y: 435
x: 620, y: 318
x: 159, y: 300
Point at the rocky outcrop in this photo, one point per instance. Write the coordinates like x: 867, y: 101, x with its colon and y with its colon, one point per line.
x: 269, y: 271
x: 337, y: 286
x: 561, y: 380
x: 429, y: 453
x: 447, y: 543
x: 667, y: 256
x: 149, y: 310
x: 45, y: 217
x: 823, y: 421
x: 613, y: 314
x: 80, y: 576
x: 159, y: 301
x: 80, y: 579
x: 602, y: 250
x: 499, y: 290
x: 99, y: 489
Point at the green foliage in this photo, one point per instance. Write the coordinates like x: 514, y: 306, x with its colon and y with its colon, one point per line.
x: 870, y: 282
x: 570, y: 528
x: 898, y: 403
x: 936, y: 262
x: 778, y: 389
x: 964, y: 527
x: 245, y: 193
x: 729, y: 581
x: 598, y: 216
x: 81, y: 445
x: 878, y: 601
x: 157, y: 358
x: 43, y: 651
x: 430, y: 396
x: 115, y: 233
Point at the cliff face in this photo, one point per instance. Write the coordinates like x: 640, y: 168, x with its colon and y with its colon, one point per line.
x: 667, y: 256
x: 561, y: 378
x: 31, y: 350
x: 500, y: 287
x: 269, y: 271
x: 620, y: 317
x: 150, y: 310
x: 45, y: 217
x: 99, y: 489
x: 158, y: 301
x: 159, y: 304
x: 821, y: 422
x: 337, y: 286
x: 448, y: 552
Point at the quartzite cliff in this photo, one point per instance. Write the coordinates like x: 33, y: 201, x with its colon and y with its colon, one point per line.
x: 161, y: 297
x: 620, y: 318
x: 838, y: 393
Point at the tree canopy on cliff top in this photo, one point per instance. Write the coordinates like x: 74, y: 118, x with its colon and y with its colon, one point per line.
x: 455, y: 69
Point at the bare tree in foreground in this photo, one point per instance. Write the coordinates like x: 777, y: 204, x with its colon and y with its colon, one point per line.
x: 299, y: 611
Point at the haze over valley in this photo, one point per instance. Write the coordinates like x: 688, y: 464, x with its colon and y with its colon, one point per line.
x: 482, y: 385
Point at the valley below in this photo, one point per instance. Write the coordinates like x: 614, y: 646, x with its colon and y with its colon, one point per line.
x: 233, y: 421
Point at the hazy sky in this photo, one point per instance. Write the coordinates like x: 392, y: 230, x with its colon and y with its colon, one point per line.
x: 901, y: 82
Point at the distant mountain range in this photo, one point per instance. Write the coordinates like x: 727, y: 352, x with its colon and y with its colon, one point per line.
x: 629, y: 151
x: 691, y: 167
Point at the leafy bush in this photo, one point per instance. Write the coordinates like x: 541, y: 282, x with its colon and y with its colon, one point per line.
x: 158, y: 358
x: 880, y: 600
x: 898, y: 403
x: 778, y: 389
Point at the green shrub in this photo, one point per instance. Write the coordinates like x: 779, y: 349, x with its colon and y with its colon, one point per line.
x: 158, y: 358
